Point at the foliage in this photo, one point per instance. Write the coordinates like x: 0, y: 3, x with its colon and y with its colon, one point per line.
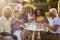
x: 43, y: 4
x: 54, y: 5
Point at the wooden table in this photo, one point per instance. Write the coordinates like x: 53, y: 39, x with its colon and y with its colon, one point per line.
x: 34, y: 30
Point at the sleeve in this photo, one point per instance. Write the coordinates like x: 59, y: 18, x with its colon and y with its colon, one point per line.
x: 56, y: 22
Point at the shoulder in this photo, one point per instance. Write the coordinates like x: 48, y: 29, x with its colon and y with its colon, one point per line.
x: 2, y: 19
x: 56, y: 19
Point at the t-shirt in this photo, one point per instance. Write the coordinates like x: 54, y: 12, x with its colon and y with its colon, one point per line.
x: 55, y: 21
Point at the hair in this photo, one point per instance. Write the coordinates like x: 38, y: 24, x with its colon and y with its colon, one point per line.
x: 4, y: 9
x: 15, y: 11
x: 41, y: 10
x: 53, y: 10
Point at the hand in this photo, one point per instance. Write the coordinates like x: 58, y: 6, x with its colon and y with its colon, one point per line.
x: 46, y: 24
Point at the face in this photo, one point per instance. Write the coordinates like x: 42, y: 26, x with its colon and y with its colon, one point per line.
x: 16, y: 15
x: 38, y: 12
x: 51, y: 14
x: 7, y: 13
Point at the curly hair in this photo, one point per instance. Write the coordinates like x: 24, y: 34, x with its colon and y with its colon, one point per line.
x: 41, y: 10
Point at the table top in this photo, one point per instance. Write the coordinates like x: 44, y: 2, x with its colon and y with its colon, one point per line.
x: 35, y: 27
x: 32, y: 29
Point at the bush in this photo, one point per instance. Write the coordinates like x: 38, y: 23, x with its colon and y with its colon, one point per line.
x: 54, y: 5
x: 42, y: 5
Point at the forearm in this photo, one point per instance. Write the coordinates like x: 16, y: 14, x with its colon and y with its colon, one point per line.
x: 54, y: 28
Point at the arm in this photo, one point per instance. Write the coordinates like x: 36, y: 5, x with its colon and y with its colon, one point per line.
x: 46, y: 20
x: 54, y: 28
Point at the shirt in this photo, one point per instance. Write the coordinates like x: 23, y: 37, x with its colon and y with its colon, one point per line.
x: 5, y: 25
x: 55, y: 21
x: 14, y: 25
x: 25, y: 17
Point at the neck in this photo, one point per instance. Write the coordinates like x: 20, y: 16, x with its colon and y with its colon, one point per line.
x: 7, y: 18
x: 53, y: 17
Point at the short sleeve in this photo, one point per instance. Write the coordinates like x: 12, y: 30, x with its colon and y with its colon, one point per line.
x: 56, y: 22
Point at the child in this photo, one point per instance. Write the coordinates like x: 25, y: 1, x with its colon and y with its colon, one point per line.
x: 19, y: 32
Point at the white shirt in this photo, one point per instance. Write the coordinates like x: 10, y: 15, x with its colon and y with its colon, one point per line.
x: 55, y: 21
x: 5, y: 25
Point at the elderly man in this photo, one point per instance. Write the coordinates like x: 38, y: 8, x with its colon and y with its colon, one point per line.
x: 54, y: 25
x: 5, y: 21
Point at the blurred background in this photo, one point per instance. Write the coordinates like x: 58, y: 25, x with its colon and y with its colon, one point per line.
x: 46, y: 4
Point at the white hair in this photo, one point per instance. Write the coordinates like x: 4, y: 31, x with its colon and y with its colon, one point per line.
x: 4, y: 9
x: 53, y: 10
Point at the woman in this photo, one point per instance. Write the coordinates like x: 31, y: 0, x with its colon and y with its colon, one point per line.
x: 54, y: 25
x: 41, y: 19
x: 40, y: 16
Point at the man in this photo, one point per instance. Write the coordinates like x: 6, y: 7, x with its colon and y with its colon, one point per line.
x: 54, y: 25
x: 5, y: 21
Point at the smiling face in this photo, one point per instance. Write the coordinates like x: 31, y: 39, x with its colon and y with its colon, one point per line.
x: 38, y: 12
x: 7, y: 13
x: 52, y: 14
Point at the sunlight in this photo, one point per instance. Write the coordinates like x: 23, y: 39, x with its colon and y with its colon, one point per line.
x: 25, y: 0
x: 1, y: 0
